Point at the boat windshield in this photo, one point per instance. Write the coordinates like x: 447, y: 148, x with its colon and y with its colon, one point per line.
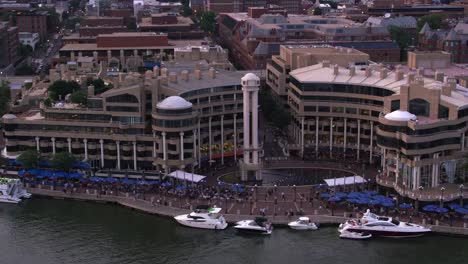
x: 395, y: 222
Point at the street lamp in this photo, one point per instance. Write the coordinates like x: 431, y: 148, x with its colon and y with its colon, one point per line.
x: 442, y: 196
x: 461, y: 193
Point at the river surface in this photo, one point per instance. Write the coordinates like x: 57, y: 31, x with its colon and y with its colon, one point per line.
x: 48, y: 231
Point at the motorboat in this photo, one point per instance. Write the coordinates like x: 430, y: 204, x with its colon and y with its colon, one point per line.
x: 303, y: 223
x: 15, y: 185
x: 259, y: 225
x: 204, y: 217
x: 8, y: 193
x: 355, y: 235
x: 383, y: 226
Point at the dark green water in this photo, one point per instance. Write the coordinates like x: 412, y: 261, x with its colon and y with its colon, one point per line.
x: 47, y: 231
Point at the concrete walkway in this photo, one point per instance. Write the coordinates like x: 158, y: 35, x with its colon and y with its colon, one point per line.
x: 168, y: 211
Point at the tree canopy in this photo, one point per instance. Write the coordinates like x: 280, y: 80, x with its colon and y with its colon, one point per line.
x: 61, y: 88
x: 99, y: 85
x: 29, y: 158
x: 24, y: 70
x: 208, y: 21
x: 402, y: 37
x: 79, y: 97
x: 273, y: 111
x: 63, y: 161
x: 5, y: 97
x: 435, y: 21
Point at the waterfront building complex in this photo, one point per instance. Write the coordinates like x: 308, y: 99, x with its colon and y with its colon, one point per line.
x: 162, y: 119
x: 412, y: 125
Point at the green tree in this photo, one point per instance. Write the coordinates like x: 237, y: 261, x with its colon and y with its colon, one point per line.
x: 25, y: 50
x: 186, y: 10
x: 99, y: 85
x: 48, y: 102
x: 79, y: 97
x: 61, y: 88
x: 75, y: 4
x: 132, y: 25
x: 208, y: 21
x: 24, y: 70
x: 53, y: 19
x: 435, y: 21
x: 317, y: 11
x: 273, y: 111
x: 63, y: 161
x: 29, y: 158
x: 70, y: 23
x: 402, y: 37
x: 5, y: 97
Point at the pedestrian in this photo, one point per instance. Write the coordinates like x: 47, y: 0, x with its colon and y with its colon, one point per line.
x: 283, y: 196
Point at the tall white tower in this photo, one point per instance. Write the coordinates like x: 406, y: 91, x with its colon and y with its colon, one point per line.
x: 250, y: 165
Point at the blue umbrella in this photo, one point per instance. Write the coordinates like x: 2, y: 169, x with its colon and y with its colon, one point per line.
x: 387, y: 204
x: 325, y: 195
x: 21, y: 173
x: 351, y: 200
x: 374, y: 202
x: 341, y: 195
x: 466, y: 206
x: 430, y: 208
x: 371, y: 192
x: 453, y: 206
x: 379, y: 197
x: 441, y: 210
x: 405, y: 206
x: 363, y: 201
x: 181, y: 188
x: 334, y: 199
x: 461, y: 210
x: 354, y: 194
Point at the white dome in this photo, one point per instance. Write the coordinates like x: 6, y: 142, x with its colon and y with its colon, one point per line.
x: 250, y: 77
x: 174, y: 102
x: 399, y: 115
x: 8, y: 116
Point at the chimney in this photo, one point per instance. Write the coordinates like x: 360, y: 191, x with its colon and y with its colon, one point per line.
x: 335, y: 69
x: 452, y: 82
x: 439, y: 76
x: 72, y: 55
x: 198, y: 74
x: 411, y: 76
x: 163, y: 80
x: 184, y: 75
x: 368, y: 72
x: 419, y: 80
x: 148, y: 74
x: 352, y: 71
x: 325, y: 63
x: 173, y: 77
x: 383, y: 73
x: 91, y: 90
x: 212, y: 73
x: 420, y: 71
x: 95, y: 56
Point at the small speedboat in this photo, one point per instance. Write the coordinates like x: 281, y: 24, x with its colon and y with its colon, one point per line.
x: 258, y: 226
x: 355, y: 235
x: 303, y: 223
x: 204, y: 217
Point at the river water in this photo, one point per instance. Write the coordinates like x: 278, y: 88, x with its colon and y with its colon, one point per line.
x: 48, y: 231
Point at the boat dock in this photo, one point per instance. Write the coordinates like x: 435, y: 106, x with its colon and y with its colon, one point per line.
x: 170, y: 211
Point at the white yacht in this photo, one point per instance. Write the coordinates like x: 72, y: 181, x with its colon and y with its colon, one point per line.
x: 383, y: 226
x: 8, y: 193
x: 258, y: 226
x: 204, y: 217
x: 303, y: 223
x: 20, y: 191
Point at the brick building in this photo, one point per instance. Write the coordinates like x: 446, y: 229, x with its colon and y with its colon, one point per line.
x: 32, y: 21
x: 102, y: 21
x: 175, y: 25
x: 234, y: 6
x: 453, y: 41
x: 131, y: 40
x: 252, y: 41
x: 8, y: 44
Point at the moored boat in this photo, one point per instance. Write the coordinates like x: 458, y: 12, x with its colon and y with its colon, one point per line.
x: 355, y: 235
x: 383, y: 226
x: 303, y: 223
x: 203, y: 217
x: 258, y: 226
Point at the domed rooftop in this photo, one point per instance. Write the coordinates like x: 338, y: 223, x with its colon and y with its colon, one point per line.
x: 9, y: 116
x: 250, y: 77
x: 174, y: 102
x: 399, y: 115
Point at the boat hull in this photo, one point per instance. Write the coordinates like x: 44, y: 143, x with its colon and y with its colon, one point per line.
x: 201, y: 224
x: 389, y: 233
x: 302, y: 227
x: 246, y: 230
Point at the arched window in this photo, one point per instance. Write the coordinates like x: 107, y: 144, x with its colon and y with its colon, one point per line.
x: 419, y: 107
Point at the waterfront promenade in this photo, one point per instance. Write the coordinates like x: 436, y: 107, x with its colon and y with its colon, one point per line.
x: 177, y: 206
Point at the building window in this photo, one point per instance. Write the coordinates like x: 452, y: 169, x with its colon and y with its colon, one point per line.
x: 419, y: 107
